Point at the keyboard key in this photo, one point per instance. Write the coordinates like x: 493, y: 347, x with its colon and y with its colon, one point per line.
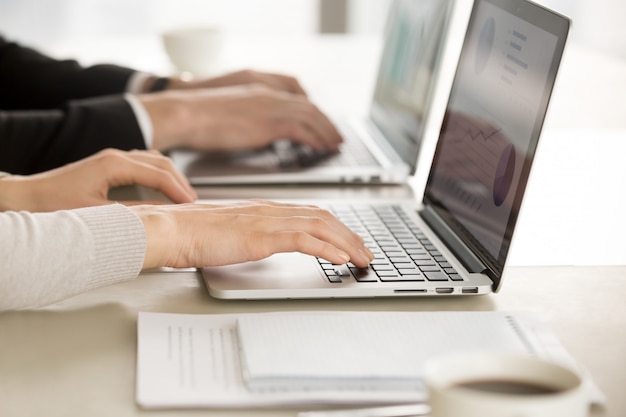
x: 405, y: 265
x: 387, y: 274
x: 455, y: 277
x: 413, y: 248
x: 409, y: 271
x: 430, y: 268
x: 436, y: 276
x: 394, y: 250
x: 333, y: 278
x: 366, y: 278
x: 341, y: 270
x: 396, y: 259
x: 387, y: 267
x: 356, y: 271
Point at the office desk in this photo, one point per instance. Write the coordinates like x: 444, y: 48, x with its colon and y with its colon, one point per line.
x: 78, y: 357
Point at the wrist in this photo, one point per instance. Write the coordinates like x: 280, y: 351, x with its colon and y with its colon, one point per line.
x: 153, y: 84
x: 170, y: 119
x: 159, y: 84
x: 180, y: 83
x: 14, y: 194
x: 159, y: 228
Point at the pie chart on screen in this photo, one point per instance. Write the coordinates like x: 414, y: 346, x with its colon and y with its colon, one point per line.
x: 504, y: 175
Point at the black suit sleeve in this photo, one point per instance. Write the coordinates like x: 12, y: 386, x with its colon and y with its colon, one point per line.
x: 35, y: 141
x: 31, y: 80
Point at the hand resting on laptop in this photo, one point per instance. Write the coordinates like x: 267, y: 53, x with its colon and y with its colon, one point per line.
x: 87, y: 182
x: 194, y: 235
x: 61, y: 235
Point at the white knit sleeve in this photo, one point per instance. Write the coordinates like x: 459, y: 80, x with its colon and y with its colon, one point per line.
x: 46, y: 257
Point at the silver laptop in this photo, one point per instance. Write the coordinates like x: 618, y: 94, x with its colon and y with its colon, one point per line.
x: 381, y: 149
x: 456, y: 241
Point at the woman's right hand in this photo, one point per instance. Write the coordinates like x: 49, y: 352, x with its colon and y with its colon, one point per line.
x: 197, y: 235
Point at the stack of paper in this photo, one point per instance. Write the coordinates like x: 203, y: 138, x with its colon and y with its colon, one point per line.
x: 308, y: 358
x: 365, y: 351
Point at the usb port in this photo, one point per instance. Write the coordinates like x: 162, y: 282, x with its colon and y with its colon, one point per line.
x: 469, y: 290
x: 446, y: 290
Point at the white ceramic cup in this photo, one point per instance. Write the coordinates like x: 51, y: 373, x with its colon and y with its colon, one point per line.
x: 503, y: 385
x: 194, y: 50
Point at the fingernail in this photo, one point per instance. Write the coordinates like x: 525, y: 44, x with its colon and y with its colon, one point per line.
x: 359, y: 236
x: 365, y: 256
x: 344, y: 256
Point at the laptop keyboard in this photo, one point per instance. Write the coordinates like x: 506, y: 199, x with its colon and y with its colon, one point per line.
x: 402, y: 251
x: 353, y: 152
x: 295, y: 155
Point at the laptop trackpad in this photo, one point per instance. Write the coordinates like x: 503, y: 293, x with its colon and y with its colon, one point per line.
x: 280, y: 271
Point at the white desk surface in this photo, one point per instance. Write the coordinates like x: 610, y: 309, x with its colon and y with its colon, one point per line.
x: 77, y: 357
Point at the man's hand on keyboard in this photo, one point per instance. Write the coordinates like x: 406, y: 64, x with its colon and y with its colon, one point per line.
x: 236, y: 118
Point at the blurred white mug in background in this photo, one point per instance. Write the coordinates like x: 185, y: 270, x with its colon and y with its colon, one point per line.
x: 194, y: 50
x: 503, y: 385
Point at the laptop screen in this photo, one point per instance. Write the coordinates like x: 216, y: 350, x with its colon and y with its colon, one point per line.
x: 492, y: 123
x: 414, y: 39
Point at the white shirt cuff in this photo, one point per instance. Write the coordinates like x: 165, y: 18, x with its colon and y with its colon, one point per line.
x: 143, y: 119
x: 136, y: 82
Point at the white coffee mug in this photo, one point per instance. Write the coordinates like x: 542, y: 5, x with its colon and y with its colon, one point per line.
x: 503, y: 385
x: 194, y: 50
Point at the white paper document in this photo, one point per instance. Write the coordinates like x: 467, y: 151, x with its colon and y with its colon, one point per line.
x: 195, y: 360
x: 366, y: 351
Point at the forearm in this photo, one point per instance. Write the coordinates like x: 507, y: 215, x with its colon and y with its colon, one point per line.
x: 32, y: 80
x: 47, y: 257
x: 35, y: 141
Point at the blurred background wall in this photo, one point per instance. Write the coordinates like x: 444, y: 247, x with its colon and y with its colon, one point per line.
x: 597, y: 24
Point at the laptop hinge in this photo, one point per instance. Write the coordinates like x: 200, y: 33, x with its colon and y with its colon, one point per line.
x: 470, y: 261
